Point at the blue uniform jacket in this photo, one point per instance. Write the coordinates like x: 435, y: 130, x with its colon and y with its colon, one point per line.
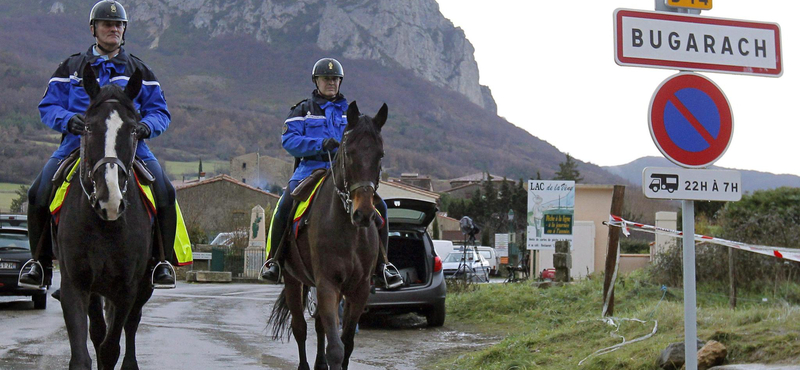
x: 66, y: 97
x: 310, y: 122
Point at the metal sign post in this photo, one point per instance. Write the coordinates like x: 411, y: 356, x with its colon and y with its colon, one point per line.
x: 689, y: 287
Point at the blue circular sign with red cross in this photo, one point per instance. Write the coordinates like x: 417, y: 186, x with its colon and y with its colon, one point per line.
x: 690, y: 120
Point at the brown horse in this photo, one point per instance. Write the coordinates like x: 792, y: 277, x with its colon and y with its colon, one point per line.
x: 338, y: 249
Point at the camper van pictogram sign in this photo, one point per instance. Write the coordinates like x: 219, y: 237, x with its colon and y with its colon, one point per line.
x: 691, y: 184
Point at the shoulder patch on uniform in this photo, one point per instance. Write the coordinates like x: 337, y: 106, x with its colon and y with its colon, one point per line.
x: 285, y: 128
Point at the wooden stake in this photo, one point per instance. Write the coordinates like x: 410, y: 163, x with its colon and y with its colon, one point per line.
x: 612, y: 254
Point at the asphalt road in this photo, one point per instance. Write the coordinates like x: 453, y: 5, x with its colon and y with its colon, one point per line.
x: 220, y: 326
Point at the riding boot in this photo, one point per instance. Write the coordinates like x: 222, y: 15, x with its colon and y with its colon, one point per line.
x: 167, y: 221
x: 41, y: 272
x: 274, y: 263
x: 277, y: 230
x: 273, y: 273
x: 162, y: 275
x: 38, y: 275
x: 387, y: 275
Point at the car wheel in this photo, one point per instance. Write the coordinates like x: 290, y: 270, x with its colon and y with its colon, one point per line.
x: 311, y: 301
x: 435, y: 315
x: 40, y: 301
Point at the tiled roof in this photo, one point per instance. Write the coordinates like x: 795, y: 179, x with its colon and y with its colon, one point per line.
x: 411, y: 188
x: 477, y: 177
x: 223, y: 177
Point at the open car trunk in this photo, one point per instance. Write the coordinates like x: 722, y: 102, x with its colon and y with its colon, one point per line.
x: 407, y: 251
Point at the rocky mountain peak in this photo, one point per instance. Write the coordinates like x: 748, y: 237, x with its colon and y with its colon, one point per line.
x: 411, y: 34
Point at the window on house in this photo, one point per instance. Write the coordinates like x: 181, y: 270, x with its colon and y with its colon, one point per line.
x: 244, y: 165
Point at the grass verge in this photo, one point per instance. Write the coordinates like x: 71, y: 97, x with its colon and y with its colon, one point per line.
x: 558, y: 327
x: 7, y: 195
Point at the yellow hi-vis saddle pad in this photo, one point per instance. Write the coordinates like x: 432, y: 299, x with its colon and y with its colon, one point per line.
x: 182, y: 245
x: 300, y: 213
x: 63, y: 189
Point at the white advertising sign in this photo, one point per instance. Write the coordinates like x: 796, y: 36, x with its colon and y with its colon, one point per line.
x: 551, y: 209
x: 691, y: 184
x: 501, y: 244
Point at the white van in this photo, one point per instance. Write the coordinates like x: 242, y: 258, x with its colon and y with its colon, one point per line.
x: 491, y: 255
x: 442, y: 247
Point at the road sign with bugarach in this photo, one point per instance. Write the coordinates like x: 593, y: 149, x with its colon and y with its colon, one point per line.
x: 689, y: 42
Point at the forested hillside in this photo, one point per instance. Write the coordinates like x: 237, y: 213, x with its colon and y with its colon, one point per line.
x: 229, y: 91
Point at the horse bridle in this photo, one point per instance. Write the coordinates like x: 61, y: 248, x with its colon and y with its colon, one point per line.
x: 105, y: 160
x: 344, y: 195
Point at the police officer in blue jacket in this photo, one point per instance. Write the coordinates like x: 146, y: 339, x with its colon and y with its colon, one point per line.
x: 313, y: 129
x: 61, y: 109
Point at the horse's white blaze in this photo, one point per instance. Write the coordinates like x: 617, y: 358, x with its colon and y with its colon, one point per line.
x: 113, y: 124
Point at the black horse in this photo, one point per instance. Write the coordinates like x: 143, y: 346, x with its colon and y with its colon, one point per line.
x: 103, y: 241
x: 338, y: 249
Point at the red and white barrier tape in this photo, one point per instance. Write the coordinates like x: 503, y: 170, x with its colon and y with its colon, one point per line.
x: 626, y: 226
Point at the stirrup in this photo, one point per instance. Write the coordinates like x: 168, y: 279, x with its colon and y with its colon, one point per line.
x: 266, y: 265
x: 386, y: 268
x: 163, y: 286
x: 30, y: 263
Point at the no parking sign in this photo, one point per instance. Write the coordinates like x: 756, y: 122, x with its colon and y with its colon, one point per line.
x: 690, y: 120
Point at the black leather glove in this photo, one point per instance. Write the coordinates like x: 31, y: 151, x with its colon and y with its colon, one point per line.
x: 142, y: 131
x: 76, y: 125
x: 330, y: 144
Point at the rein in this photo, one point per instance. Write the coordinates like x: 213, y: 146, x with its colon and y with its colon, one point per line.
x: 126, y: 170
x: 344, y: 195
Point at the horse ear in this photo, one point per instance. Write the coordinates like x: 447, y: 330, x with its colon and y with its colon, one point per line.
x: 90, y: 82
x: 134, y: 84
x: 352, y: 114
x: 380, y: 118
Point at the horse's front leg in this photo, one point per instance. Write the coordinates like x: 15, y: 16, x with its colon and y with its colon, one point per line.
x: 321, y: 363
x: 116, y: 315
x: 353, y: 308
x: 97, y: 321
x: 74, y: 305
x: 129, y: 361
x: 132, y: 325
x: 328, y: 310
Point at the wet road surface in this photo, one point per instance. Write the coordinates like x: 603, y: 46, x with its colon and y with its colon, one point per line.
x: 220, y: 326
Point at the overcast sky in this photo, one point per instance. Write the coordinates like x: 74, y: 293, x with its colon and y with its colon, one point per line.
x: 550, y: 66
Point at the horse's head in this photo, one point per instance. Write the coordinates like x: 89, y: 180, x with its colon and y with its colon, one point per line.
x: 359, y: 160
x: 109, y: 145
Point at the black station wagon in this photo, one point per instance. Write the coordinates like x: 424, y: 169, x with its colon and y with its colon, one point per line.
x: 15, y: 250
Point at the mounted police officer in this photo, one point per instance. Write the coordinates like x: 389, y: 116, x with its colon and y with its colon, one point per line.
x: 61, y: 109
x: 312, y: 131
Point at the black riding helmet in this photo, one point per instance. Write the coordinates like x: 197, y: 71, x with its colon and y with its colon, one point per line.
x: 109, y: 10
x: 327, y: 67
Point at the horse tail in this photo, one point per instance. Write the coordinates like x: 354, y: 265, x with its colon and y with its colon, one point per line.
x: 279, y: 318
